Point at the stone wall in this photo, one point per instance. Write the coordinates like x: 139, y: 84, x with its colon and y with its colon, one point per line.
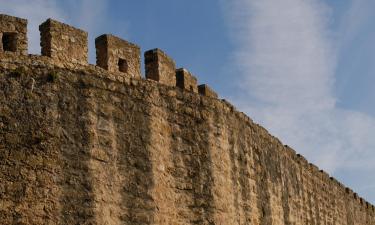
x: 186, y: 80
x: 160, y: 67
x: 83, y: 145
x: 205, y: 90
x: 117, y: 55
x: 100, y: 149
x: 13, y: 35
x: 64, y: 43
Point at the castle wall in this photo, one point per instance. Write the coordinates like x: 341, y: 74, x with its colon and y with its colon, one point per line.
x: 13, y: 35
x: 81, y: 144
x: 160, y: 67
x: 117, y: 55
x: 186, y: 80
x: 98, y: 149
x: 64, y: 43
x: 205, y: 90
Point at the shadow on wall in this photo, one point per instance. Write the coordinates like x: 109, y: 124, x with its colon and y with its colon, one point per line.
x: 67, y: 45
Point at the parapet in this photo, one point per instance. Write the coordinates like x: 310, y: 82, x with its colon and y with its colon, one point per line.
x: 313, y: 168
x: 63, y: 43
x: 160, y: 67
x: 186, y: 81
x: 117, y: 55
x: 66, y: 46
x: 13, y: 35
x: 324, y: 175
x: 205, y: 90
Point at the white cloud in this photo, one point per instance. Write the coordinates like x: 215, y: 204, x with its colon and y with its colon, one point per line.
x: 287, y: 58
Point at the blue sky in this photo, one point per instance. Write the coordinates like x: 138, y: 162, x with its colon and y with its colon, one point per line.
x: 304, y: 69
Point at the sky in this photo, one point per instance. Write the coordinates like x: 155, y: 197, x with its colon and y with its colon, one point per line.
x: 303, y: 69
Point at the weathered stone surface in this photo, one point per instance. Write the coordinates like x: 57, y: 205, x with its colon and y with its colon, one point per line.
x: 117, y: 55
x: 205, y: 90
x: 64, y: 43
x: 186, y: 80
x: 83, y: 145
x: 95, y: 149
x: 13, y: 35
x: 160, y: 67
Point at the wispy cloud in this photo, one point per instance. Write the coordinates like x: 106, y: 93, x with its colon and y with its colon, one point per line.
x: 287, y: 58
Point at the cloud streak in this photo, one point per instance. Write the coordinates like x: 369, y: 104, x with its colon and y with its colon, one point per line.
x: 287, y: 56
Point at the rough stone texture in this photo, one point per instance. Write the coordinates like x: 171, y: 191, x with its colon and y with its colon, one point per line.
x: 82, y: 145
x: 185, y: 80
x: 205, y: 90
x: 117, y: 55
x: 13, y: 35
x: 64, y: 43
x: 100, y: 149
x: 160, y: 67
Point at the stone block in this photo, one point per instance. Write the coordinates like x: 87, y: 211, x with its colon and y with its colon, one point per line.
x: 185, y: 80
x: 160, y: 67
x: 205, y: 90
x: 117, y: 55
x: 13, y: 35
x: 63, y: 43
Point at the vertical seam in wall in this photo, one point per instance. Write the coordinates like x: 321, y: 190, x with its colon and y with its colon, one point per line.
x: 264, y: 203
x: 182, y: 164
x: 316, y: 203
x: 137, y: 196
x: 240, y: 173
x: 207, y: 181
x: 246, y: 185
x: 234, y: 171
x: 104, y: 162
x: 161, y: 155
x: 77, y: 202
x: 285, y: 190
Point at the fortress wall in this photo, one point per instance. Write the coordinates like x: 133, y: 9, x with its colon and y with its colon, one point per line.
x: 205, y: 90
x: 117, y: 55
x: 64, y: 43
x: 93, y: 150
x: 29, y: 192
x: 66, y: 46
x: 160, y: 67
x: 13, y: 35
x: 186, y: 80
x: 80, y: 144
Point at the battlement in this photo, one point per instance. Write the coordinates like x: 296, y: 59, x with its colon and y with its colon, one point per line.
x: 117, y: 55
x: 160, y: 67
x: 67, y: 47
x: 104, y: 134
x: 185, y: 80
x: 13, y: 35
x: 205, y: 90
x: 63, y: 43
